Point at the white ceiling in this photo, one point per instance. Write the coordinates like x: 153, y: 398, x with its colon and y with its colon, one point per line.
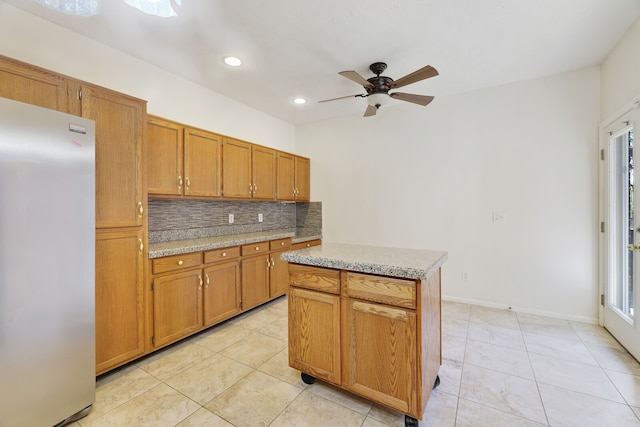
x: 297, y: 47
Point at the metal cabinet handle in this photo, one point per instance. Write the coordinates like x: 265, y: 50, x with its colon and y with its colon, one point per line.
x: 141, y: 246
x: 208, y: 281
x: 140, y: 209
x: 200, y: 278
x: 224, y: 254
x: 180, y: 262
x: 179, y: 182
x: 187, y: 181
x: 257, y: 248
x: 268, y: 263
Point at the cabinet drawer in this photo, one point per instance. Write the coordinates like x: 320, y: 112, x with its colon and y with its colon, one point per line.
x: 321, y: 279
x: 280, y: 244
x: 386, y: 290
x: 255, y: 248
x: 221, y: 254
x: 176, y: 262
x: 308, y: 244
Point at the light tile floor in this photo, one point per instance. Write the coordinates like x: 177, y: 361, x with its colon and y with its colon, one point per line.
x: 499, y: 369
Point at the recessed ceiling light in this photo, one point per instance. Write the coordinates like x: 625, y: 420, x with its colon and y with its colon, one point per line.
x: 299, y: 101
x: 232, y: 61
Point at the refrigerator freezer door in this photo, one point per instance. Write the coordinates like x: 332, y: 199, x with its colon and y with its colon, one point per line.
x: 47, y: 265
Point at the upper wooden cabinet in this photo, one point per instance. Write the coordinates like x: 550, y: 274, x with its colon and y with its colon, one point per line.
x: 182, y: 160
x: 202, y: 152
x: 25, y: 83
x: 263, y: 172
x: 236, y: 169
x: 302, y: 178
x: 163, y: 155
x: 119, y: 125
x: 293, y: 177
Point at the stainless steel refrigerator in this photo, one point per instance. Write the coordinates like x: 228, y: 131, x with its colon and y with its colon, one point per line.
x: 47, y: 266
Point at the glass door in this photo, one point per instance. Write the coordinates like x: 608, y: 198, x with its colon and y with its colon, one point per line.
x: 622, y: 231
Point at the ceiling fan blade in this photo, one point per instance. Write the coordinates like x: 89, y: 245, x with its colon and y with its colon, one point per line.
x: 409, y: 97
x: 352, y: 75
x: 370, y: 111
x: 344, y: 97
x: 416, y: 76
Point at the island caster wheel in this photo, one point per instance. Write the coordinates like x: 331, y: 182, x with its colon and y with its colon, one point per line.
x: 410, y: 421
x: 308, y: 379
x: 437, y: 382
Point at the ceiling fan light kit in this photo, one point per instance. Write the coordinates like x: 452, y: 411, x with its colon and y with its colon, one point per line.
x: 378, y: 87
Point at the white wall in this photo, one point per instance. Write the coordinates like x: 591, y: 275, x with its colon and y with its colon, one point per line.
x: 430, y: 177
x: 621, y: 73
x: 39, y: 42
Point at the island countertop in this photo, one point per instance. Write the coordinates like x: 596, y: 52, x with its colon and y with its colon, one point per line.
x: 394, y: 262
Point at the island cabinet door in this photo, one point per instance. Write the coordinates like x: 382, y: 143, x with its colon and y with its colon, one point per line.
x: 314, y: 334
x: 380, y: 354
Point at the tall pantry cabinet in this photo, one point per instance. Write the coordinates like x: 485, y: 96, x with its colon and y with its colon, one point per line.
x: 120, y: 198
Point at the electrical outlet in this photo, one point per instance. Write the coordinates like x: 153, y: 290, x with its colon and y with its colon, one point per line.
x: 260, y: 217
x: 465, y: 276
x: 499, y: 216
x: 231, y: 219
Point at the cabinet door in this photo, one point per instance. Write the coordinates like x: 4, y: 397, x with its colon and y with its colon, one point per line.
x: 32, y: 85
x: 278, y: 275
x: 221, y: 292
x: 303, y: 176
x: 119, y: 121
x: 286, y: 176
x: 163, y: 157
x: 119, y: 298
x: 236, y: 168
x: 177, y: 306
x: 264, y: 173
x: 201, y: 163
x: 314, y: 333
x: 380, y: 354
x: 255, y: 281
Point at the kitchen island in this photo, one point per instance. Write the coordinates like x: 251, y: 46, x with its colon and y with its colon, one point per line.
x: 368, y: 320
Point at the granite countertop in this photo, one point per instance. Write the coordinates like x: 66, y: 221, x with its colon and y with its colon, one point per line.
x: 394, y: 262
x: 177, y: 247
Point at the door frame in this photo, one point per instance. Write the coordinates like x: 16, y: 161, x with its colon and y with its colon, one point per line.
x: 605, y: 221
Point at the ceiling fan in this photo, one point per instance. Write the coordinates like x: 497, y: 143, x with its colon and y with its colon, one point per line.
x: 378, y: 87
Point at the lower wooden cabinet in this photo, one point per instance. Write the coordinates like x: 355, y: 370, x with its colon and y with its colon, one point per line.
x: 380, y: 353
x: 375, y: 336
x: 196, y: 290
x: 221, y: 292
x: 177, y: 306
x: 119, y: 285
x: 314, y: 321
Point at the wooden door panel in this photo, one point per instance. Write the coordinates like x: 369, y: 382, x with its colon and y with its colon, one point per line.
x: 278, y: 275
x: 236, y: 168
x: 303, y: 177
x: 32, y: 85
x: 119, y: 120
x: 201, y: 163
x: 380, y: 354
x: 221, y: 292
x: 286, y: 176
x: 264, y: 173
x: 164, y: 157
x: 255, y: 281
x: 314, y: 334
x: 177, y: 306
x: 119, y: 298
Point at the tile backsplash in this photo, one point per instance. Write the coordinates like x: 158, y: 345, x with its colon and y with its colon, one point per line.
x: 179, y: 219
